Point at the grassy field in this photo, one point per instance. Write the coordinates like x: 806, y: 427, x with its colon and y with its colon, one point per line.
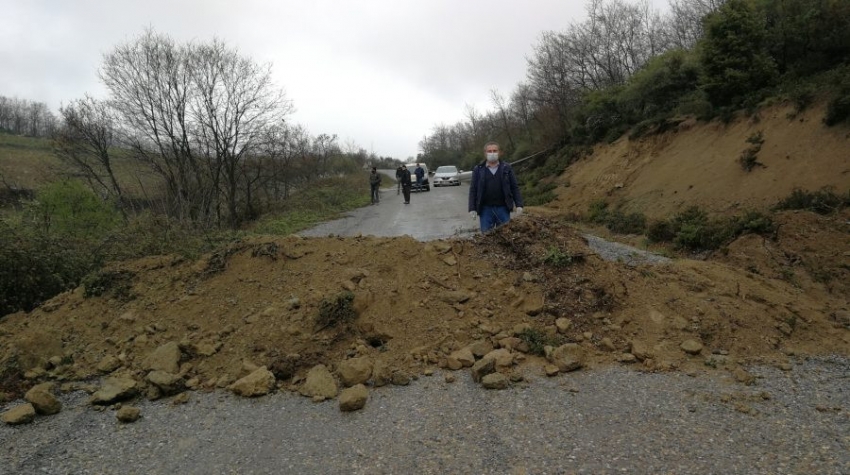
x: 27, y: 162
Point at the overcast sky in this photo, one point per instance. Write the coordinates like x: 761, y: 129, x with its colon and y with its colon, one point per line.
x: 378, y: 73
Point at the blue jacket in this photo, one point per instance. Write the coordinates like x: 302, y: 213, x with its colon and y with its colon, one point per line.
x: 509, y: 186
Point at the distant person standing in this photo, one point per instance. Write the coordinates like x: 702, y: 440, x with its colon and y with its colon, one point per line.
x: 493, y: 191
x: 420, y: 174
x: 406, y: 183
x: 398, y: 180
x: 375, y: 184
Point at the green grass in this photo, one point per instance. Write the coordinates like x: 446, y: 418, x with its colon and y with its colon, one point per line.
x: 319, y: 201
x: 26, y: 162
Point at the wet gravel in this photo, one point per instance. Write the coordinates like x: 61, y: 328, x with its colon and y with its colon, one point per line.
x: 617, y: 252
x: 605, y: 421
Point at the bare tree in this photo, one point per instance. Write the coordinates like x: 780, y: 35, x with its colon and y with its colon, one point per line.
x: 234, y: 101
x: 194, y: 113
x: 502, y: 112
x: 84, y: 141
x: 684, y: 22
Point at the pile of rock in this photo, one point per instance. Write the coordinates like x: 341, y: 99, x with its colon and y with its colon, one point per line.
x: 39, y: 400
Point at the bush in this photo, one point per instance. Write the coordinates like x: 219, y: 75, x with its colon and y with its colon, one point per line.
x: 823, y: 201
x: 536, y: 341
x: 597, y: 212
x: 616, y: 221
x: 34, y: 268
x: 661, y: 231
x: 557, y: 258
x: 70, y: 209
x: 337, y: 310
x: 838, y: 110
x: 693, y: 230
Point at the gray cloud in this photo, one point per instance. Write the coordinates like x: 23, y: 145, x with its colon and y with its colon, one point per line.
x: 380, y: 73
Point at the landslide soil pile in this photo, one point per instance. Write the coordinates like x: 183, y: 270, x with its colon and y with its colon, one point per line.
x: 292, y: 303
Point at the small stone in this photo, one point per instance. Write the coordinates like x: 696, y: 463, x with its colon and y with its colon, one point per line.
x: 428, y: 372
x: 567, y: 357
x: 168, y: 383
x: 258, y: 383
x: 43, y: 401
x: 551, y: 370
x: 319, y: 382
x: 607, y: 344
x: 494, y: 381
x: 22, y: 414
x: 503, y: 357
x: 464, y: 356
x: 691, y: 347
x: 743, y: 376
x: 627, y: 358
x: 353, y: 398
x: 181, y: 398
x: 354, y: 371
x: 400, y: 378
x: 108, y: 364
x: 480, y: 348
x: 785, y: 329
x: 563, y: 325
x: 785, y: 366
x: 482, y: 368
x: 115, y: 389
x: 164, y: 358
x: 128, y: 414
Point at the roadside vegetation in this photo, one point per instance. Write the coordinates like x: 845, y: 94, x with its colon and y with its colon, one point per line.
x: 630, y: 70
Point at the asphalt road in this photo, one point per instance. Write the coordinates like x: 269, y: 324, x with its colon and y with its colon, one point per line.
x: 434, y: 214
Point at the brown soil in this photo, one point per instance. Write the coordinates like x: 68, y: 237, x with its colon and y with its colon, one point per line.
x: 261, y: 300
x: 698, y: 165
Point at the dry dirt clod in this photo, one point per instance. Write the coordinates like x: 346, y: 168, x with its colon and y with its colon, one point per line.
x: 21, y: 414
x: 128, y: 414
x: 353, y: 398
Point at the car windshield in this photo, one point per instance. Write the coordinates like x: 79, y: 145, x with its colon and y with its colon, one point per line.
x: 446, y: 169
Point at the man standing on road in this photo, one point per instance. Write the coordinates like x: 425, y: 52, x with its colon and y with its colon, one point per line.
x: 493, y: 191
x: 375, y: 184
x: 398, y: 180
x: 406, y: 183
x: 420, y: 174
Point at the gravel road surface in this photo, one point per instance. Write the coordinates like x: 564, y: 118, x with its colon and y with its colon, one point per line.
x: 607, y: 421
x: 434, y: 214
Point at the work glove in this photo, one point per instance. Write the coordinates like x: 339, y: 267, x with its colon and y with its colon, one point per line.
x: 518, y: 211
x: 473, y: 214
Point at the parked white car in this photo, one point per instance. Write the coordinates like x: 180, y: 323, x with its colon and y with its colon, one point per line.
x: 447, y: 175
x: 426, y: 184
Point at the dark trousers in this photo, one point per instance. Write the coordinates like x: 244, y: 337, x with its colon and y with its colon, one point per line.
x: 375, y: 196
x: 405, y: 190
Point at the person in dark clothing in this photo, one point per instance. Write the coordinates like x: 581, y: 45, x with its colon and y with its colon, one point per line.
x: 420, y: 174
x: 493, y: 192
x: 398, y: 180
x: 406, y: 183
x: 375, y: 184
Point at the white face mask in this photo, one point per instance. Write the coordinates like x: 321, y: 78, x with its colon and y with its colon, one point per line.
x: 492, y: 156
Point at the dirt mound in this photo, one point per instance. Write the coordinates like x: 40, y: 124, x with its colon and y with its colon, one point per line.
x: 290, y: 304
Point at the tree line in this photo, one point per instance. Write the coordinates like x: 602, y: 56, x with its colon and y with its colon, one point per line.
x: 628, y: 65
x: 24, y: 117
